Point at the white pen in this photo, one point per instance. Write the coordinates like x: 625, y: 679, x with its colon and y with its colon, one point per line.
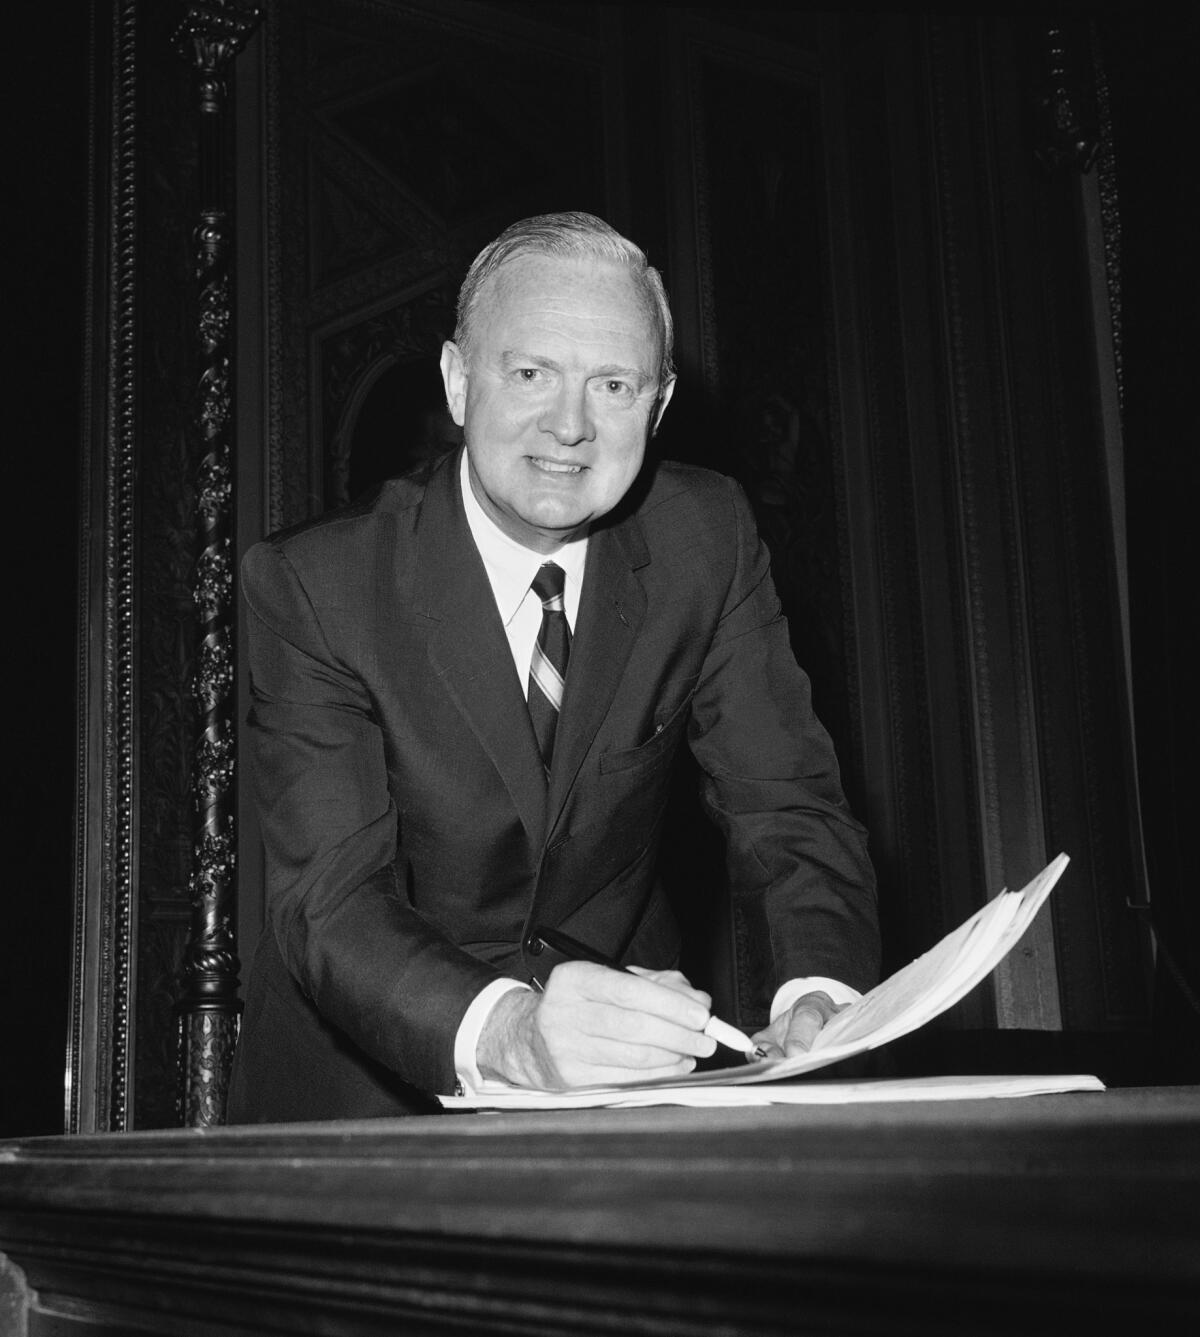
x: 729, y: 1036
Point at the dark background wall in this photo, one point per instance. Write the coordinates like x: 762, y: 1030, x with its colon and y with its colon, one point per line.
x: 1155, y: 106
x: 45, y: 164
x: 1156, y: 109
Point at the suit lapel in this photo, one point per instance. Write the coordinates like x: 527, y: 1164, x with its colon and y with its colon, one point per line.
x: 468, y: 649
x: 611, y: 613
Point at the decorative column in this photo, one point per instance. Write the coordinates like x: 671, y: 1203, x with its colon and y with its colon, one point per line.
x: 1065, y: 115
x: 209, y: 37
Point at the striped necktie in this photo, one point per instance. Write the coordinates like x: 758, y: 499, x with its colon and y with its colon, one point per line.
x: 548, y: 667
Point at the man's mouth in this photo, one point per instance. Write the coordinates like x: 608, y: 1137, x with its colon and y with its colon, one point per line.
x: 554, y: 467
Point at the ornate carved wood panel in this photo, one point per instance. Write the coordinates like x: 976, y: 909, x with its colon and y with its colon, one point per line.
x: 407, y: 135
x: 139, y: 629
x: 169, y: 455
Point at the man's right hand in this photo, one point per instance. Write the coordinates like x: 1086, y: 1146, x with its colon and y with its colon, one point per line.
x: 593, y: 1025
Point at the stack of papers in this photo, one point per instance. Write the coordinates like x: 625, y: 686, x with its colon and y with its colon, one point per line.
x: 812, y: 1092
x: 902, y: 1003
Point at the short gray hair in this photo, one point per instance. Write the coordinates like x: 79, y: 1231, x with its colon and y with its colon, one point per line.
x: 575, y: 236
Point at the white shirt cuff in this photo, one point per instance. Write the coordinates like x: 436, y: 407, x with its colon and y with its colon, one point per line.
x: 466, y: 1039
x: 788, y: 992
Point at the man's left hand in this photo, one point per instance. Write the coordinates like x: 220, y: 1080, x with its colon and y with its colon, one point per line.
x: 793, y: 1031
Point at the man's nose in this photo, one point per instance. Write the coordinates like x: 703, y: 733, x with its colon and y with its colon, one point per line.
x: 568, y: 417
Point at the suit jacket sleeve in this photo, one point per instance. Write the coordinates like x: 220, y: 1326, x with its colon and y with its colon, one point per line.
x: 800, y: 875
x: 371, y: 964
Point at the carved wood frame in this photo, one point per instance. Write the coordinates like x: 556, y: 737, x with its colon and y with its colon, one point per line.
x: 115, y: 466
x: 99, y: 1066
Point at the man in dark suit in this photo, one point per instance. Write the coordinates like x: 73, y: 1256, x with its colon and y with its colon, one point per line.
x: 467, y: 696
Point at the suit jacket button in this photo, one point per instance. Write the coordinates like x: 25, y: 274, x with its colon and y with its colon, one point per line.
x: 534, y: 945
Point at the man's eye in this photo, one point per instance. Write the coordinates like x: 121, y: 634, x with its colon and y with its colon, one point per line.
x: 618, y: 389
x: 529, y: 375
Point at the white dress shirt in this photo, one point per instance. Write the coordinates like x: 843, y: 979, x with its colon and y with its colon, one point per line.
x: 510, y: 569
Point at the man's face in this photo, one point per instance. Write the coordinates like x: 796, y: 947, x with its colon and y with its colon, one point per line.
x: 559, y: 396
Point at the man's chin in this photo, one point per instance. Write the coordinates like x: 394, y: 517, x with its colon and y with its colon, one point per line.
x: 560, y: 515
x: 543, y: 531
x: 558, y: 534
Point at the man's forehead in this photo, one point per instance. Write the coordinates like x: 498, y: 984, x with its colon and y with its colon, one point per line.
x: 526, y: 280
x: 532, y: 275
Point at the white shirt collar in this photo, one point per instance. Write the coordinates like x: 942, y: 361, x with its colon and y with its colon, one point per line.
x: 510, y: 566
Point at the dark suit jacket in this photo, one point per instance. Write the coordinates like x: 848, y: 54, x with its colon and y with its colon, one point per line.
x: 412, y: 843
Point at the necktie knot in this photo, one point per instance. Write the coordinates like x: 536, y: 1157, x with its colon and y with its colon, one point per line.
x: 548, y: 584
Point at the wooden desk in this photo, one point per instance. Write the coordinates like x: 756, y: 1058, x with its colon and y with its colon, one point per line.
x: 1038, y: 1215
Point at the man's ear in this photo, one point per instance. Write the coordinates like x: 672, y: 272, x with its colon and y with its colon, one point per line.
x: 454, y: 378
x: 664, y: 398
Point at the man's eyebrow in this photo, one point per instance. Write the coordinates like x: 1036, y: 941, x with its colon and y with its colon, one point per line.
x: 617, y: 372
x: 513, y: 357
